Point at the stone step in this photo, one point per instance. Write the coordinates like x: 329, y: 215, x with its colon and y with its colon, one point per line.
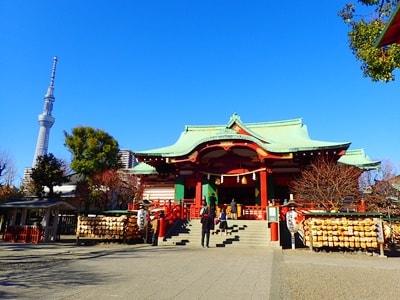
x: 241, y: 233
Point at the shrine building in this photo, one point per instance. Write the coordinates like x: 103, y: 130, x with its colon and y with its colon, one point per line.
x: 251, y: 162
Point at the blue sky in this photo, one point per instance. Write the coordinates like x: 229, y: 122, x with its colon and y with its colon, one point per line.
x: 142, y: 70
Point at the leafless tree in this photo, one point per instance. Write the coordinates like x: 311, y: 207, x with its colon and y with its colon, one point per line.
x: 110, y: 189
x: 8, y: 172
x: 379, y: 189
x: 326, y: 184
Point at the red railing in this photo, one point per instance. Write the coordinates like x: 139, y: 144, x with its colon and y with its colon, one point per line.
x: 23, y: 234
x: 253, y: 212
x: 247, y: 212
x: 168, y: 213
x: 172, y: 210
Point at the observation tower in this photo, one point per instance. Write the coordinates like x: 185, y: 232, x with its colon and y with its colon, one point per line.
x: 46, y: 120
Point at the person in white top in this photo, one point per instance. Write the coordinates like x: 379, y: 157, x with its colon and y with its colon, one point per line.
x: 143, y: 221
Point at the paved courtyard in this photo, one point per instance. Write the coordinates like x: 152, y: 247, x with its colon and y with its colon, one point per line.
x: 133, y: 272
x: 67, y: 271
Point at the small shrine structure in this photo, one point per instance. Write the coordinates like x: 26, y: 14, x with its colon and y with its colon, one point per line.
x: 23, y: 226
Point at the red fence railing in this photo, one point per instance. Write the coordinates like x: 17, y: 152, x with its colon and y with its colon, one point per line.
x: 23, y: 234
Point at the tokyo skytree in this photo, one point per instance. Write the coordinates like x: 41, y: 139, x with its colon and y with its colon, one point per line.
x: 45, y: 118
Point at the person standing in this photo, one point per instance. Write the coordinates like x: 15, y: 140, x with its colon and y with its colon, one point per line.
x: 223, y: 223
x: 233, y: 209
x: 142, y: 221
x: 206, y: 223
x: 213, y: 216
x: 154, y: 227
x: 204, y: 208
x: 213, y: 200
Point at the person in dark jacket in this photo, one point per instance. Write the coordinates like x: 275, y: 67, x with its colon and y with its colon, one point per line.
x: 213, y: 216
x: 204, y: 208
x: 206, y: 224
x: 223, y: 222
x: 213, y: 200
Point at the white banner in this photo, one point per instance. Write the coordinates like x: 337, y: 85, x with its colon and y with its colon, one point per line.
x: 291, y: 221
x: 142, y: 218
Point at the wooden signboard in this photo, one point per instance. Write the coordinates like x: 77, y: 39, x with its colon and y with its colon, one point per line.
x: 273, y: 214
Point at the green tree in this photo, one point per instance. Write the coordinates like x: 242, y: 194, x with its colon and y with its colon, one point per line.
x: 365, y: 28
x: 93, y: 151
x: 48, y: 172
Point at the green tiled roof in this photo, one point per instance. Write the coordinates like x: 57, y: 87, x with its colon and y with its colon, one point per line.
x: 143, y: 169
x: 359, y: 159
x: 277, y: 137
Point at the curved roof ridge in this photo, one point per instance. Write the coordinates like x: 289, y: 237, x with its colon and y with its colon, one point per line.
x: 288, y: 122
x: 360, y: 151
x: 236, y: 119
x: 203, y: 127
x: 358, y: 158
x: 143, y: 168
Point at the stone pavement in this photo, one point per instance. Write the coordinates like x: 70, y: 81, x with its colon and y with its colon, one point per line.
x: 118, y: 271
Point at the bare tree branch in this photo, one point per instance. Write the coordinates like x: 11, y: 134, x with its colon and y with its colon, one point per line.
x: 326, y: 184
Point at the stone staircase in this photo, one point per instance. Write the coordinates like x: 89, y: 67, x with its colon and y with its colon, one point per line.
x: 241, y: 233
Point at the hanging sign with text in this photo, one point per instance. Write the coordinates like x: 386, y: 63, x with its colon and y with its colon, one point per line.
x: 380, y: 233
x: 291, y: 221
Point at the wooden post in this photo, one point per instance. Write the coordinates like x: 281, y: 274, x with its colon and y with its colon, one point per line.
x: 55, y: 224
x: 263, y: 188
x: 77, y: 230
x: 23, y: 216
x: 46, y: 224
x: 381, y: 237
x: 381, y: 251
x: 13, y: 217
x: 198, y: 192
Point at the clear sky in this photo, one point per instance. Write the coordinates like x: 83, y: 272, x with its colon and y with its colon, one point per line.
x: 142, y: 70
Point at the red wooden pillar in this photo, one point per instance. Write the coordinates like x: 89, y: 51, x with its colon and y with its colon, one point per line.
x: 198, y: 191
x: 274, y: 231
x: 161, y: 232
x: 263, y: 189
x: 362, y: 206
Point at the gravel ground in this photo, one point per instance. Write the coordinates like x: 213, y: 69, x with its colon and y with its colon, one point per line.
x: 302, y: 274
